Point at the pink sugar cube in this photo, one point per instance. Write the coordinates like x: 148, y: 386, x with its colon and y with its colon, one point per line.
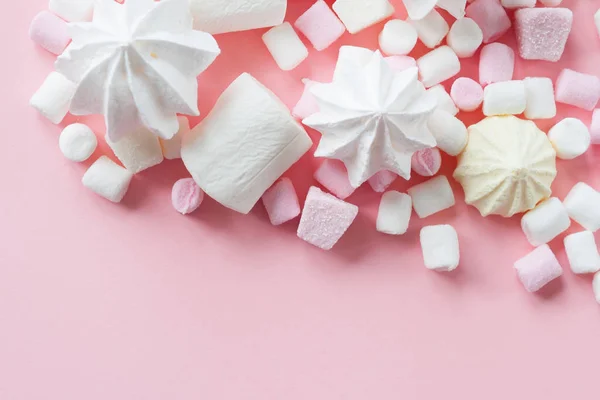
x: 281, y: 202
x: 320, y: 25
x: 332, y: 174
x: 538, y: 268
x: 325, y: 219
x: 577, y: 89
x: 595, y: 128
x: 382, y: 180
x: 496, y: 64
x: 401, y: 63
x: 491, y: 18
x: 466, y: 94
x: 50, y: 32
x: 307, y: 105
x: 542, y: 33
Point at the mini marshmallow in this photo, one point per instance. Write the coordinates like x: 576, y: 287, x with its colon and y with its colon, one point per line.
x: 325, y: 219
x: 540, y: 98
x: 491, y: 18
x: 77, y: 142
x: 570, y: 138
x: 542, y: 33
x: 73, y: 10
x: 465, y: 37
x: 216, y: 16
x: 438, y: 66
x: 426, y: 162
x: 518, y: 3
x: 596, y: 286
x: 496, y: 64
x: 582, y: 205
x: 582, y: 253
x: 50, y: 32
x: 281, y: 202
x: 398, y: 38
x: 138, y: 151
x: 440, y: 247
x: 538, y: 268
x: 595, y: 127
x: 450, y: 132
x: 186, y: 196
x: 332, y: 175
x: 53, y: 98
x: 107, y: 179
x: 401, y: 63
x: 577, y: 89
x: 307, y: 105
x: 444, y: 101
x: 320, y: 25
x: 382, y: 180
x: 456, y: 8
x: 432, y: 29
x: 467, y: 94
x: 418, y: 9
x: 172, y: 148
x: 285, y: 46
x: 545, y: 222
x: 359, y: 14
x: 432, y: 196
x: 504, y: 98
x: 394, y: 213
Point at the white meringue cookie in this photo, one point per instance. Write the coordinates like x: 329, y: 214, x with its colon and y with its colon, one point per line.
x: 137, y: 64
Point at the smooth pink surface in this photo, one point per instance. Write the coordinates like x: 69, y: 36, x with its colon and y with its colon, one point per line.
x: 129, y: 302
x: 466, y: 94
x: 50, y: 32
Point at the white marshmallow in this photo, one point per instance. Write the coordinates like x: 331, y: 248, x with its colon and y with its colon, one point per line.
x: 449, y: 132
x: 440, y: 247
x: 465, y: 37
x: 596, y: 286
x: 582, y: 205
x: 456, y: 8
x: 217, y: 16
x: 138, y: 151
x: 72, y: 10
x: 359, y: 14
x: 518, y: 3
x: 432, y: 29
x: 582, y: 253
x: 285, y: 46
x: 243, y: 145
x: 545, y: 222
x: 540, y: 98
x: 394, y: 213
x: 77, y: 142
x: 397, y: 38
x: 418, y: 9
x: 438, y: 66
x: 504, y: 98
x: 444, y: 101
x: 53, y: 98
x: 432, y: 196
x: 570, y: 138
x: 172, y: 148
x: 107, y: 179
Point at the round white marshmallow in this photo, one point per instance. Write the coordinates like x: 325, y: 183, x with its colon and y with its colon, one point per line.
x: 77, y: 142
x: 465, y: 37
x: 570, y: 138
x: 397, y: 38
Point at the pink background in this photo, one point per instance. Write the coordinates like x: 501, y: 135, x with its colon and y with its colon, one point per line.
x: 133, y: 301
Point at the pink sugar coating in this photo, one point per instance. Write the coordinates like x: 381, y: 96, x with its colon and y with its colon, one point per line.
x: 320, y: 25
x: 281, y: 202
x: 427, y: 162
x: 577, y: 89
x: 491, y: 18
x: 595, y: 127
x: 496, y: 64
x: 542, y: 33
x: 401, y: 63
x: 382, y: 180
x: 186, y: 196
x: 332, y: 175
x: 466, y: 94
x: 307, y: 105
x: 50, y: 32
x: 538, y: 268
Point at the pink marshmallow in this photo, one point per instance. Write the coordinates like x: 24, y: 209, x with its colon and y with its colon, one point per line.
x: 538, y: 268
x: 491, y: 18
x: 401, y: 63
x: 595, y: 128
x: 281, y: 202
x: 382, y: 180
x: 466, y: 94
x: 320, y: 25
x: 50, y: 32
x: 542, y: 33
x: 307, y: 105
x: 186, y: 196
x: 332, y: 175
x: 427, y: 162
x: 496, y: 64
x: 577, y: 89
x: 325, y: 219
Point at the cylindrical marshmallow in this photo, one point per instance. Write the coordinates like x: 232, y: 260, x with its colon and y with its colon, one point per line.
x: 582, y: 252
x: 491, y: 18
x: 77, y: 142
x: 467, y: 94
x: 456, y: 8
x: 570, y: 138
x: 538, y: 268
x: 449, y: 132
x: 214, y: 17
x: 504, y: 98
x: 107, y: 179
x: 496, y: 64
x: 582, y: 205
x: 186, y: 196
x: 50, y: 32
x: 53, y: 98
x: 426, y: 162
x: 438, y: 66
x: 540, y: 98
x: 397, y: 38
x: 358, y: 14
x: 285, y: 46
x: 432, y: 29
x: 440, y: 248
x: 394, y: 213
x: 432, y: 196
x: 465, y: 37
x: 545, y: 222
x: 518, y: 3
x: 577, y: 89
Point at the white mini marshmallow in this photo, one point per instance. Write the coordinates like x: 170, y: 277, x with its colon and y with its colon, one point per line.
x: 53, y: 98
x: 107, y: 179
x: 540, y: 98
x: 545, y: 222
x: 582, y: 253
x: 418, y: 9
x: 504, y: 98
x: 359, y: 14
x: 432, y: 196
x: 596, y: 286
x: 285, y: 46
x: 217, y: 16
x: 172, y: 148
x: 444, y: 101
x: 440, y: 247
x: 456, y: 8
x: 438, y: 66
x: 397, y: 38
x: 432, y: 29
x: 570, y: 138
x: 138, y: 151
x: 518, y: 3
x: 582, y: 205
x: 465, y: 37
x: 72, y: 10
x: 449, y: 132
x: 394, y: 213
x: 77, y: 142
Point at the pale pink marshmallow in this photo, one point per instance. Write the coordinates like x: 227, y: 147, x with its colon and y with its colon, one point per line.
x: 401, y: 63
x: 333, y: 176
x: 281, y: 202
x: 496, y: 64
x: 427, y: 162
x: 542, y: 33
x: 50, y: 32
x: 325, y: 219
x: 595, y: 128
x: 577, y: 89
x: 467, y: 94
x: 320, y: 25
x: 186, y: 196
x: 382, y: 180
x: 307, y: 105
x: 491, y: 18
x: 518, y: 3
x: 538, y: 268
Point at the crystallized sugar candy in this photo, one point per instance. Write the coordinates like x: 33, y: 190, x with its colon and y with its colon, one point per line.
x: 542, y: 33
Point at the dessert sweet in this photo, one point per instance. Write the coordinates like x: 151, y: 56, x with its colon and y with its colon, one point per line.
x: 394, y: 213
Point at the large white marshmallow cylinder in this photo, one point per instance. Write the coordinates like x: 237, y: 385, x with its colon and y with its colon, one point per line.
x: 438, y: 66
x: 545, y: 222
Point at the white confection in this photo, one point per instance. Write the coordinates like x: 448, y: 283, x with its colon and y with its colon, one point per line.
x: 570, y: 138
x: 244, y: 145
x: 217, y: 16
x: 171, y: 148
x: 518, y: 3
x: 540, y: 98
x: 597, y: 21
x: 285, y: 46
x: 438, y: 66
x: 53, y: 98
x: 504, y: 98
x: 107, y: 179
x: 440, y: 247
x: 418, y: 9
x: 596, y: 286
x: 397, y: 38
x: 551, y: 3
x: 444, y: 101
x: 582, y: 252
x: 465, y: 37
x: 582, y: 206
x: 456, y: 8
x: 72, y: 10
x: 348, y: 58
x: 545, y: 222
x: 77, y: 142
x: 394, y: 213
x: 138, y: 151
x: 360, y: 14
x: 432, y: 29
x: 449, y: 132
x: 432, y: 196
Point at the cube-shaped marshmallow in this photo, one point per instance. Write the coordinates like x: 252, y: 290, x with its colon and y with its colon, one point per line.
x: 394, y: 213
x: 107, y: 179
x: 542, y: 33
x: 438, y: 66
x: 320, y: 25
x: 582, y: 252
x: 582, y: 204
x: 53, y: 98
x: 491, y: 18
x: 332, y: 174
x: 540, y: 98
x: 538, y: 268
x: 432, y: 196
x: 577, y: 89
x: 440, y: 247
x: 285, y: 46
x: 432, y: 29
x: 50, y: 32
x: 138, y: 151
x: 360, y: 14
x: 504, y: 98
x: 545, y: 222
x: 281, y: 202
